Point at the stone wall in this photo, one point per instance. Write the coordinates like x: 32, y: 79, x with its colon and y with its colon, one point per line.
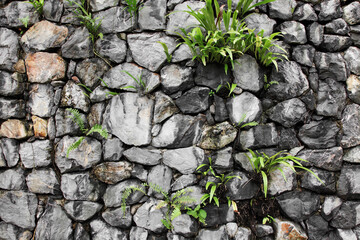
x: 161, y: 133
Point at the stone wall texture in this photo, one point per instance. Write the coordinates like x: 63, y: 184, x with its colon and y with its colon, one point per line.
x: 161, y: 132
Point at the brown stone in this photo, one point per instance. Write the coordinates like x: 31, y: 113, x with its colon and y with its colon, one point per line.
x: 286, y: 230
x: 113, y: 172
x: 43, y: 36
x: 44, y: 67
x: 217, y: 136
x: 20, y: 66
x: 40, y: 127
x: 14, y: 128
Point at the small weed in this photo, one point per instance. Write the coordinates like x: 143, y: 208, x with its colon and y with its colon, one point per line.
x: 86, y: 88
x: 267, y: 83
x: 25, y: 21
x: 244, y: 6
x: 38, y: 5
x: 250, y: 124
x: 166, y: 50
x: 133, y: 7
x: 141, y: 84
x: 268, y: 219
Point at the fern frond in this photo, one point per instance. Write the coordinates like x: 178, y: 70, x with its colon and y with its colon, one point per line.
x: 74, y: 146
x: 161, y: 204
x: 99, y: 129
x: 127, y: 192
x: 175, y: 213
x: 76, y: 118
x: 183, y: 200
x: 158, y: 189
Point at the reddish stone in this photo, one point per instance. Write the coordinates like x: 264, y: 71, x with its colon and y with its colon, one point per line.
x: 286, y: 230
x: 14, y: 128
x: 44, y: 67
x: 40, y: 127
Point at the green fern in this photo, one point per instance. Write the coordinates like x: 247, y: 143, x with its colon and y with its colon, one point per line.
x: 76, y: 118
x: 99, y: 129
x: 74, y: 146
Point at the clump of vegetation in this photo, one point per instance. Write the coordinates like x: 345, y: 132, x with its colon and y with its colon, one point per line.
x: 38, y: 5
x: 264, y: 165
x: 226, y: 37
x: 175, y: 203
x: 76, y: 118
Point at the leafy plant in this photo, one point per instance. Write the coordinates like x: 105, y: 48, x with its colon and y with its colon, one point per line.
x: 264, y: 165
x: 76, y: 118
x: 249, y: 124
x: 214, y: 187
x: 268, y: 219
x: 25, y: 21
x: 38, y: 5
x: 174, y: 203
x: 166, y: 51
x: 223, y: 38
x: 86, y: 88
x: 244, y: 6
x: 141, y: 83
x: 133, y: 6
x: 267, y: 83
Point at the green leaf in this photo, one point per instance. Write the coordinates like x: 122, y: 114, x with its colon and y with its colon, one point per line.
x: 74, y: 146
x: 265, y: 182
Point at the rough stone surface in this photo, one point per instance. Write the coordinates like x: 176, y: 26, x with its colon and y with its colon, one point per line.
x: 152, y: 15
x: 113, y: 195
x: 43, y: 181
x: 248, y: 74
x: 164, y: 107
x: 330, y: 207
x: 90, y: 71
x: 304, y: 54
x: 241, y: 189
x: 148, y: 43
x: 351, y: 129
x: 335, y: 43
x: 18, y: 208
x: 42, y: 67
x: 288, y: 113
x: 160, y: 175
x: 337, y: 26
x: 12, y: 179
x: 293, y: 32
x: 112, y: 47
x: 80, y: 186
x: 184, y: 160
x: 81, y: 210
x: 53, y: 10
x: 41, y: 99
x: 15, y: 10
x: 36, y: 154
x: 299, y: 206
x: 183, y: 181
x: 288, y: 230
x: 11, y: 84
x: 64, y: 124
x: 143, y: 156
x: 9, y: 45
x: 352, y: 13
x: 330, y: 9
x: 113, y: 172
x: 349, y: 182
x: 12, y: 108
x: 277, y: 183
x: 212, y: 75
x: 115, y: 20
x: 14, y: 128
x: 43, y: 36
x: 219, y: 233
x: 305, y: 13
x: 217, y: 136
x: 244, y: 104
x: 352, y: 155
x: 97, y: 5
x: 100, y: 230
x: 348, y: 216
x: 352, y: 58
x: 78, y: 45
x: 260, y: 136
x: 194, y: 101
x: 331, y: 65
x: 319, y: 134
x: 309, y: 181
x: 315, y: 33
x: 185, y: 226
x: 122, y: 118
x: 176, y: 78
x: 281, y: 9
x: 117, y: 218
x: 72, y: 96
x: 329, y: 159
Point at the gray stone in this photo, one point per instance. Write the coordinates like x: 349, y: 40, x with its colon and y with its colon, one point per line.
x: 146, y: 50
x: 245, y: 104
x: 346, y: 234
x: 182, y: 53
x: 183, y: 181
x: 116, y: 217
x: 350, y: 126
x: 15, y: 10
x: 219, y: 215
x: 292, y: 82
x: 80, y: 186
x: 10, y: 151
x: 212, y: 75
x: 78, y: 45
x: 247, y: 73
x: 195, y: 193
x: 243, y: 234
x: 11, y: 232
x: 180, y: 19
x: 352, y: 58
x: 95, y: 116
x: 221, y: 113
x: 242, y: 160
x: 80, y: 233
x: 90, y: 71
x: 259, y: 21
x: 260, y: 136
x: 138, y: 233
x: 328, y: 159
x: 117, y: 78
x: 231, y: 229
x: 299, y: 206
x: 148, y: 216
x: 330, y: 9
x: 43, y: 181
x: 113, y: 194
x: 86, y: 155
x: 179, y: 131
x: 349, y: 182
x: 184, y: 160
x: 113, y: 172
x: 41, y: 99
x: 161, y: 176
x: 348, y: 216
x: 331, y: 98
x: 309, y: 181
x: 72, y: 96
x: 100, y: 230
x: 207, y: 234
x: 185, y: 226
x: 97, y: 5
x: 112, y: 47
x: 115, y: 20
x: 53, y: 10
x: 176, y: 78
x: 139, y: 172
x: 217, y: 136
x: 352, y: 13
x: 262, y: 230
x: 64, y: 124
x: 304, y: 54
x: 122, y: 118
x: 319, y: 134
x: 152, y: 15
x: 278, y: 184
x: 11, y: 84
x: 331, y: 65
x: 12, y: 108
x: 337, y: 26
x: 315, y: 33
x: 100, y: 94
x: 352, y: 155
x: 305, y: 13
x: 164, y: 107
x: 9, y: 45
x: 36, y: 154
x: 335, y: 43
x: 330, y: 207
x: 288, y: 139
x: 82, y: 210
x: 43, y: 36
x: 18, y: 208
x: 293, y: 32
x: 12, y: 179
x: 194, y: 101
x: 288, y: 113
x: 241, y: 189
x: 144, y: 156
x: 282, y: 9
